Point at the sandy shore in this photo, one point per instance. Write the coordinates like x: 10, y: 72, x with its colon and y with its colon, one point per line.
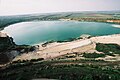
x: 117, y: 26
x: 115, y: 39
x: 57, y: 49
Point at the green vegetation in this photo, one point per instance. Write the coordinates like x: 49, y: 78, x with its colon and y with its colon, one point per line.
x: 79, y: 16
x: 60, y: 41
x: 23, y: 48
x: 8, y: 20
x: 6, y: 43
x: 109, y: 49
x: 48, y: 42
x: 35, y: 60
x: 25, y: 61
x: 69, y: 40
x: 62, y: 72
x: 7, y: 46
x: 70, y: 56
x: 78, y: 69
x: 93, y: 55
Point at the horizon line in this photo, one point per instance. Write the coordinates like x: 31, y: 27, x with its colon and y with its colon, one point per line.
x: 58, y: 12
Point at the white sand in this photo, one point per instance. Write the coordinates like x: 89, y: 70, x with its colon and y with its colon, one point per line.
x: 57, y: 49
x: 117, y: 26
x: 115, y: 39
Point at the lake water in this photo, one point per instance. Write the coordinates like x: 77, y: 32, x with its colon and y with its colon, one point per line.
x: 40, y: 31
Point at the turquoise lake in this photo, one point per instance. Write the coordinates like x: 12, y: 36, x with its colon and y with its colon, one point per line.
x: 41, y: 31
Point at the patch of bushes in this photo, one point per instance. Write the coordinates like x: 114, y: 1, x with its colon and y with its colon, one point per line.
x: 108, y: 48
x: 26, y: 48
x: 45, y: 44
x: 35, y: 60
x: 93, y: 55
x: 60, y: 41
x: 70, y: 56
x: 6, y: 43
x: 61, y: 72
x: 91, y: 60
x: 32, y: 60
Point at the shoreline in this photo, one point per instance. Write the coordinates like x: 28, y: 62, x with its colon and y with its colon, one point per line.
x: 67, y: 40
x: 104, y: 21
x: 55, y: 49
x: 117, y: 26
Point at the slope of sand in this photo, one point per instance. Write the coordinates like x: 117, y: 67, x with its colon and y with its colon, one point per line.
x: 115, y: 39
x: 57, y: 49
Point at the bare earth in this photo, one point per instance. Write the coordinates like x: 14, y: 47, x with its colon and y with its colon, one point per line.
x: 57, y: 49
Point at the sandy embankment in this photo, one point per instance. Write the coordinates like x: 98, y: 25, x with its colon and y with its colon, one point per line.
x: 115, y: 39
x: 56, y: 49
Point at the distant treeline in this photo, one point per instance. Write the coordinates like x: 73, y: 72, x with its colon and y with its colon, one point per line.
x: 80, y: 16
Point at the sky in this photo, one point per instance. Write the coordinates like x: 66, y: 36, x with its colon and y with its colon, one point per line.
x: 18, y: 7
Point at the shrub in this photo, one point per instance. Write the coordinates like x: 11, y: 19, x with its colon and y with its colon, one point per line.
x: 108, y: 48
x: 93, y: 55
